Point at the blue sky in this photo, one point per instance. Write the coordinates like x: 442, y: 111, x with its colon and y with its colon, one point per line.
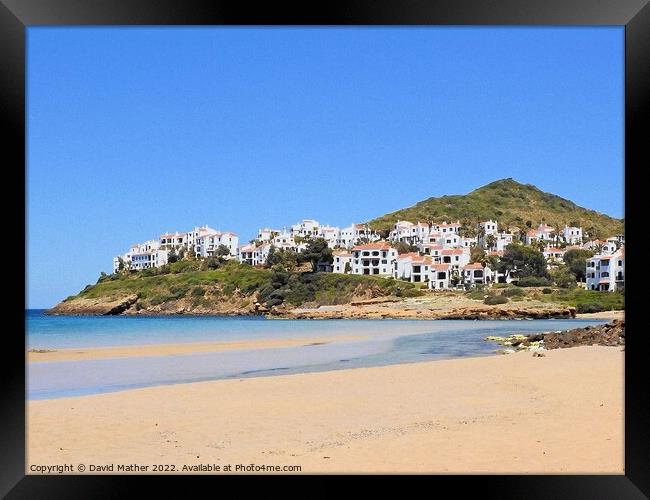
x: 137, y: 131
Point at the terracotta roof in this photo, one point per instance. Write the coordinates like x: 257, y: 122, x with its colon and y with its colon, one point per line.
x: 372, y: 246
x: 409, y: 255
x: 603, y: 282
x: 452, y: 251
x: 553, y: 250
x: 475, y: 265
x: 341, y: 254
x: 440, y: 267
x: 247, y: 248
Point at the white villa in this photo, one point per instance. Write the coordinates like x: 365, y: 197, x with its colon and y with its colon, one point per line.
x: 572, y: 235
x: 342, y: 262
x: 476, y: 274
x: 373, y: 258
x: 254, y: 255
x: 542, y: 233
x: 440, y: 277
x: 142, y: 256
x: 606, y: 272
x: 553, y: 255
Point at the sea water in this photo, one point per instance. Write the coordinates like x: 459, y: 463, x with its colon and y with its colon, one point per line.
x: 359, y: 343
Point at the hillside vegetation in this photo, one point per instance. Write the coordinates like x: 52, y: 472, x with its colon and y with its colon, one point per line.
x: 511, y: 204
x: 232, y: 288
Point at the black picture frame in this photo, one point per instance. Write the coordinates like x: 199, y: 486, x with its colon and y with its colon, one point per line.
x: 17, y: 15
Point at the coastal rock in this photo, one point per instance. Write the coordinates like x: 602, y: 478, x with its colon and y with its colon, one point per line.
x: 610, y: 334
x: 95, y: 306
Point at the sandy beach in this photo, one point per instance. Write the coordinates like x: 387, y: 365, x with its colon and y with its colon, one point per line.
x: 562, y: 413
x: 35, y: 356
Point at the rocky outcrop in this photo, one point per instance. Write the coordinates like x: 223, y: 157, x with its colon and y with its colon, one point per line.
x: 611, y: 334
x: 102, y: 306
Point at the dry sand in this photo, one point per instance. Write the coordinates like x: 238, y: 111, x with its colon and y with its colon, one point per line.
x: 602, y: 315
x: 176, y: 349
x: 562, y: 413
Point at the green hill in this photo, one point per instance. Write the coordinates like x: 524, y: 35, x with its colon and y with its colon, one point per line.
x: 511, y: 204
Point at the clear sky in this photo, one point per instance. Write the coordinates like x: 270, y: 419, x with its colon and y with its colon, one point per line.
x: 136, y: 131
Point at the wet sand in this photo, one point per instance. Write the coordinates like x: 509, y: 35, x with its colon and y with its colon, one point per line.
x: 176, y: 349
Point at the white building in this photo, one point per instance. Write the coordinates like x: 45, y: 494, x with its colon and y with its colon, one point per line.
x: 402, y: 266
x: 373, y: 258
x: 485, y: 229
x: 451, y: 240
x: 207, y: 243
x: 267, y: 234
x: 142, y: 256
x: 542, y: 233
x: 475, y: 274
x: 440, y: 276
x: 609, y: 247
x: 444, y: 228
x: 572, y: 235
x: 354, y: 234
x: 606, y: 272
x: 254, y: 255
x: 502, y: 241
x: 456, y: 257
x: 306, y: 228
x: 404, y: 231
x: 173, y: 240
x: 331, y: 234
x: 342, y: 262
x: 432, y: 249
x: 553, y: 254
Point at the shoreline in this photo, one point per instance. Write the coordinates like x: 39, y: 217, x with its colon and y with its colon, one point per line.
x: 179, y: 348
x: 492, y: 414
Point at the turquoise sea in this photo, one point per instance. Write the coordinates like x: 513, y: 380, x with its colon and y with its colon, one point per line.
x: 385, y: 342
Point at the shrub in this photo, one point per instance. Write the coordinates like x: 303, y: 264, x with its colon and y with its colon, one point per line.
x: 492, y: 300
x: 533, y: 281
x: 198, y: 291
x: 589, y: 308
x: 546, y: 291
x: 513, y: 292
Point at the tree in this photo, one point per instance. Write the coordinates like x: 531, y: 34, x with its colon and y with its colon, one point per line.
x: 563, y: 277
x: 576, y: 262
x: 120, y: 264
x: 316, y: 251
x: 348, y: 268
x: 477, y: 254
x: 467, y: 231
x: 181, y: 253
x: 524, y: 260
x: 172, y: 256
x: 191, y: 254
x: 281, y: 260
x: 403, y: 247
x: 491, y: 241
x: 222, y: 251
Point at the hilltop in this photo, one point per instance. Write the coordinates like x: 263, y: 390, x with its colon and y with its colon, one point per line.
x: 510, y: 203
